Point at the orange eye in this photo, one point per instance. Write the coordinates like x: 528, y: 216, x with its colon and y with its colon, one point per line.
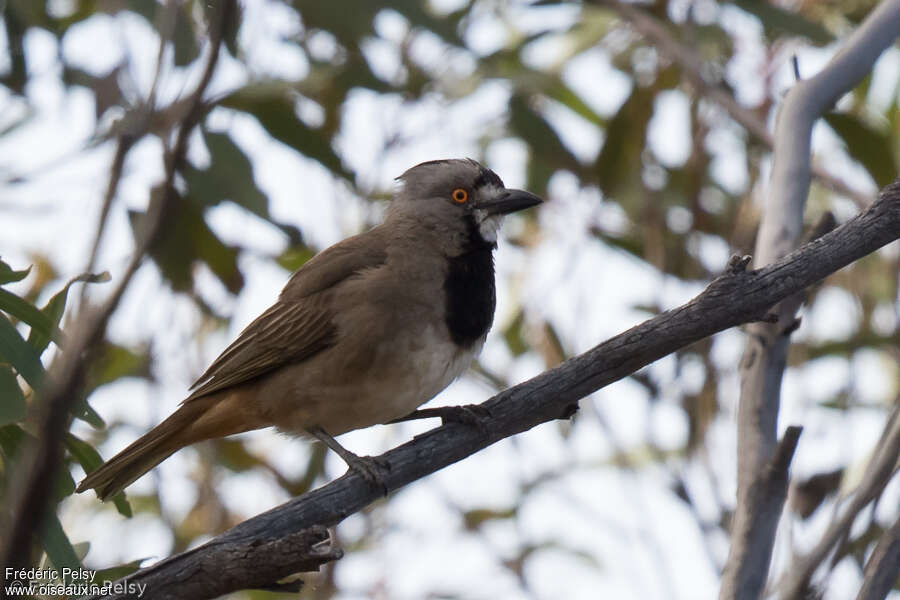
x: 460, y: 195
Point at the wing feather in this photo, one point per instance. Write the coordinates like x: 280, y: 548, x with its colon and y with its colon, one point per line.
x: 286, y: 333
x: 299, y: 325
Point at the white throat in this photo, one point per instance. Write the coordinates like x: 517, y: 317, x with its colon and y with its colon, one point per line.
x: 488, y: 227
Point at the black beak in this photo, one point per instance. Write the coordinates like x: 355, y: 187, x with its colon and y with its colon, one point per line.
x: 509, y: 201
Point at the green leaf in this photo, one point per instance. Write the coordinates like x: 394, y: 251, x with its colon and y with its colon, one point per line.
x: 90, y: 460
x: 212, y: 12
x: 53, y: 538
x: 221, y: 258
x: 57, y: 545
x: 20, y: 354
x: 513, y: 335
x: 41, y: 325
x: 619, y: 163
x: 122, y: 505
x: 866, y: 144
x: 548, y: 152
x: 15, y: 74
x: 183, y: 40
x: 83, y: 411
x: 64, y: 485
x: 116, y: 573
x: 12, y: 401
x: 188, y: 239
x: 233, y: 455
x: 229, y: 177
x: 57, y: 304
x: 105, y: 88
x: 82, y: 549
x: 563, y: 94
x: 295, y: 257
x: 445, y: 26
x: 114, y: 362
x: 473, y: 519
x: 7, y: 275
x: 777, y: 20
x: 273, y: 106
x: 84, y: 453
x: 349, y: 21
x: 11, y: 438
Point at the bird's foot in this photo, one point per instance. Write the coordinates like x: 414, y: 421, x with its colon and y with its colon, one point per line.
x: 473, y: 415
x: 373, y: 469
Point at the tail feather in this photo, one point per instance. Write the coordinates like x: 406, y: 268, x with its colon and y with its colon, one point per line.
x: 191, y: 423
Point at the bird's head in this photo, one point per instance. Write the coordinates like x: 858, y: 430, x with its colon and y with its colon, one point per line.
x: 458, y: 197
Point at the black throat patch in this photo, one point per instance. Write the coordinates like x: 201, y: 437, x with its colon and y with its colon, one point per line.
x: 469, y: 289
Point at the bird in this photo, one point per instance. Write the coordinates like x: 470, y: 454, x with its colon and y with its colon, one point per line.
x: 363, y: 333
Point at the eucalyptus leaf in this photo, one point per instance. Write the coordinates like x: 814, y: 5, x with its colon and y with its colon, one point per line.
x: 11, y: 438
x: 20, y: 354
x: 178, y: 248
x: 7, y: 275
x: 116, y: 573
x: 777, y: 20
x: 90, y: 460
x: 12, y: 401
x: 873, y: 148
x: 183, y: 40
x: 274, y: 107
x: 56, y: 306
x: 42, y: 326
x: 57, y: 545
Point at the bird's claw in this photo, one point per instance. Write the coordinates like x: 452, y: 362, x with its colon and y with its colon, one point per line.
x: 371, y: 468
x: 473, y: 415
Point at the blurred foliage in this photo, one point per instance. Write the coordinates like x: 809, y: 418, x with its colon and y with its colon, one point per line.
x: 21, y: 377
x: 669, y: 212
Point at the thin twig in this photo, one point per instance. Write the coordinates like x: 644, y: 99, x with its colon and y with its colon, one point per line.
x: 879, y: 472
x: 35, y: 469
x: 883, y: 567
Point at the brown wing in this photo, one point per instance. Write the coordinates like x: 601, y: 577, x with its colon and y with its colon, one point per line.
x: 298, y: 325
x: 285, y: 333
x: 331, y: 266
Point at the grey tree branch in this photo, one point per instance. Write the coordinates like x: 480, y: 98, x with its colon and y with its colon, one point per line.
x: 767, y: 494
x: 739, y: 296
x: 764, y: 359
x: 883, y: 567
x: 881, y: 467
x: 34, y: 474
x: 254, y: 564
x: 694, y: 67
